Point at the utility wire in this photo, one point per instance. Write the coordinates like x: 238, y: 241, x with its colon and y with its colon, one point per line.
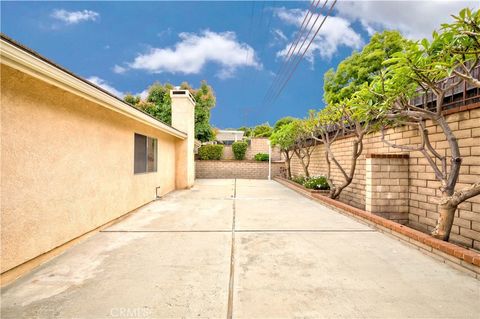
x: 287, y: 59
x: 291, y: 65
x: 303, y: 54
x: 296, y: 52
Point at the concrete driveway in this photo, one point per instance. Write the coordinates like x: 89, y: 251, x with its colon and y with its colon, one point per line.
x: 242, y: 249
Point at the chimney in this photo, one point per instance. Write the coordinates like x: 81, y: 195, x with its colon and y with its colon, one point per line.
x: 183, y: 119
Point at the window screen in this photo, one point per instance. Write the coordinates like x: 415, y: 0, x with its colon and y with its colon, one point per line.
x: 145, y: 154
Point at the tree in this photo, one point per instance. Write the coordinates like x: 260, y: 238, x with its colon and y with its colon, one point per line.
x: 304, y: 144
x: 159, y: 96
x: 361, y: 67
x: 283, y: 121
x: 347, y: 97
x: 247, y: 131
x: 338, y: 120
x: 205, y: 98
x: 417, y: 71
x: 159, y: 104
x: 262, y: 130
x: 131, y: 99
x: 457, y: 46
x: 284, y: 139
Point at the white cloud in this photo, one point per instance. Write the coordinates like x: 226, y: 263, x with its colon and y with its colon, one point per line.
x: 335, y: 32
x: 279, y: 35
x: 143, y: 95
x: 104, y: 85
x: 415, y: 19
x: 194, y: 51
x: 107, y: 87
x: 74, y: 17
x: 119, y: 69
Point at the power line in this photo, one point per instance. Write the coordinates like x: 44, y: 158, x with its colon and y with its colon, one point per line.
x: 287, y: 59
x: 306, y: 49
x: 294, y: 58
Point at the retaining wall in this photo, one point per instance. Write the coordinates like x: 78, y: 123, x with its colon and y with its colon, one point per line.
x: 237, y: 169
x: 423, y: 188
x: 256, y: 145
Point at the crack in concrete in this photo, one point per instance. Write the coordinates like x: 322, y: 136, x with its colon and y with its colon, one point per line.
x: 232, y: 258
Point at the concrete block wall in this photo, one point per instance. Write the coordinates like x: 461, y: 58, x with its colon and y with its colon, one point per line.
x: 423, y: 188
x: 237, y: 169
x: 257, y: 145
x: 386, y: 186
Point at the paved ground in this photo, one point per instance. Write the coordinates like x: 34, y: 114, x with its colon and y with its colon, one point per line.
x: 247, y: 249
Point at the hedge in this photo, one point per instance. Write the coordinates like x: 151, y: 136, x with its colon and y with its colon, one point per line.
x: 210, y: 152
x: 261, y: 157
x: 239, y: 149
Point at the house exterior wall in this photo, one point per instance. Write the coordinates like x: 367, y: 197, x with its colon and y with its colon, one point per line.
x: 183, y: 119
x: 67, y: 166
x: 423, y: 189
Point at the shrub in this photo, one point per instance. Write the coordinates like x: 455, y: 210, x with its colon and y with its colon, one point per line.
x: 239, y: 149
x: 210, y: 152
x: 298, y: 179
x: 261, y: 157
x: 316, y: 182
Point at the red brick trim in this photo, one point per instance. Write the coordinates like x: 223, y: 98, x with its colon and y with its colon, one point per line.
x: 387, y: 156
x: 465, y: 255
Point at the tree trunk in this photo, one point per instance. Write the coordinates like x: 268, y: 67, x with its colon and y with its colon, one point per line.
x: 447, y: 207
x: 446, y: 212
x: 305, y: 168
x: 287, y: 165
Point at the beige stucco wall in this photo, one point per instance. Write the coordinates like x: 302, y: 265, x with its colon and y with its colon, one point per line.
x: 67, y: 167
x: 183, y: 119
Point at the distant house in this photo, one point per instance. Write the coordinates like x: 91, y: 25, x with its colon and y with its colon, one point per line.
x: 228, y: 137
x: 75, y: 157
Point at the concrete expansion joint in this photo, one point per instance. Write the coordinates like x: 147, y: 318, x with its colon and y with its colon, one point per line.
x: 232, y: 257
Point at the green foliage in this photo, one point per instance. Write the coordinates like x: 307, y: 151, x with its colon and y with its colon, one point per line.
x: 210, y: 152
x: 261, y: 157
x: 316, y: 182
x: 205, y: 98
x: 298, y: 179
x: 457, y: 43
x: 239, y: 149
x: 313, y: 182
x: 284, y: 120
x: 247, y: 130
x: 284, y: 137
x: 262, y: 130
x: 361, y: 67
x: 159, y: 104
x: 131, y: 99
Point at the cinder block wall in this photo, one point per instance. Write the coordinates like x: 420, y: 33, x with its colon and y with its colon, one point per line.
x: 237, y: 169
x: 387, y: 185
x: 423, y: 188
x: 257, y: 145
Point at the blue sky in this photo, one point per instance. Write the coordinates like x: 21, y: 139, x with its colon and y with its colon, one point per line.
x: 238, y: 47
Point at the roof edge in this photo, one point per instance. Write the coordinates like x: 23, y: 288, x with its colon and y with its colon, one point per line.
x: 28, y: 61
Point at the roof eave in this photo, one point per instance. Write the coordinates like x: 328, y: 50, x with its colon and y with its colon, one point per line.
x: 20, y: 59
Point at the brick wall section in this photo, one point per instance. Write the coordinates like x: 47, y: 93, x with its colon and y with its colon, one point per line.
x: 237, y: 169
x: 257, y: 145
x: 387, y: 182
x: 423, y: 188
